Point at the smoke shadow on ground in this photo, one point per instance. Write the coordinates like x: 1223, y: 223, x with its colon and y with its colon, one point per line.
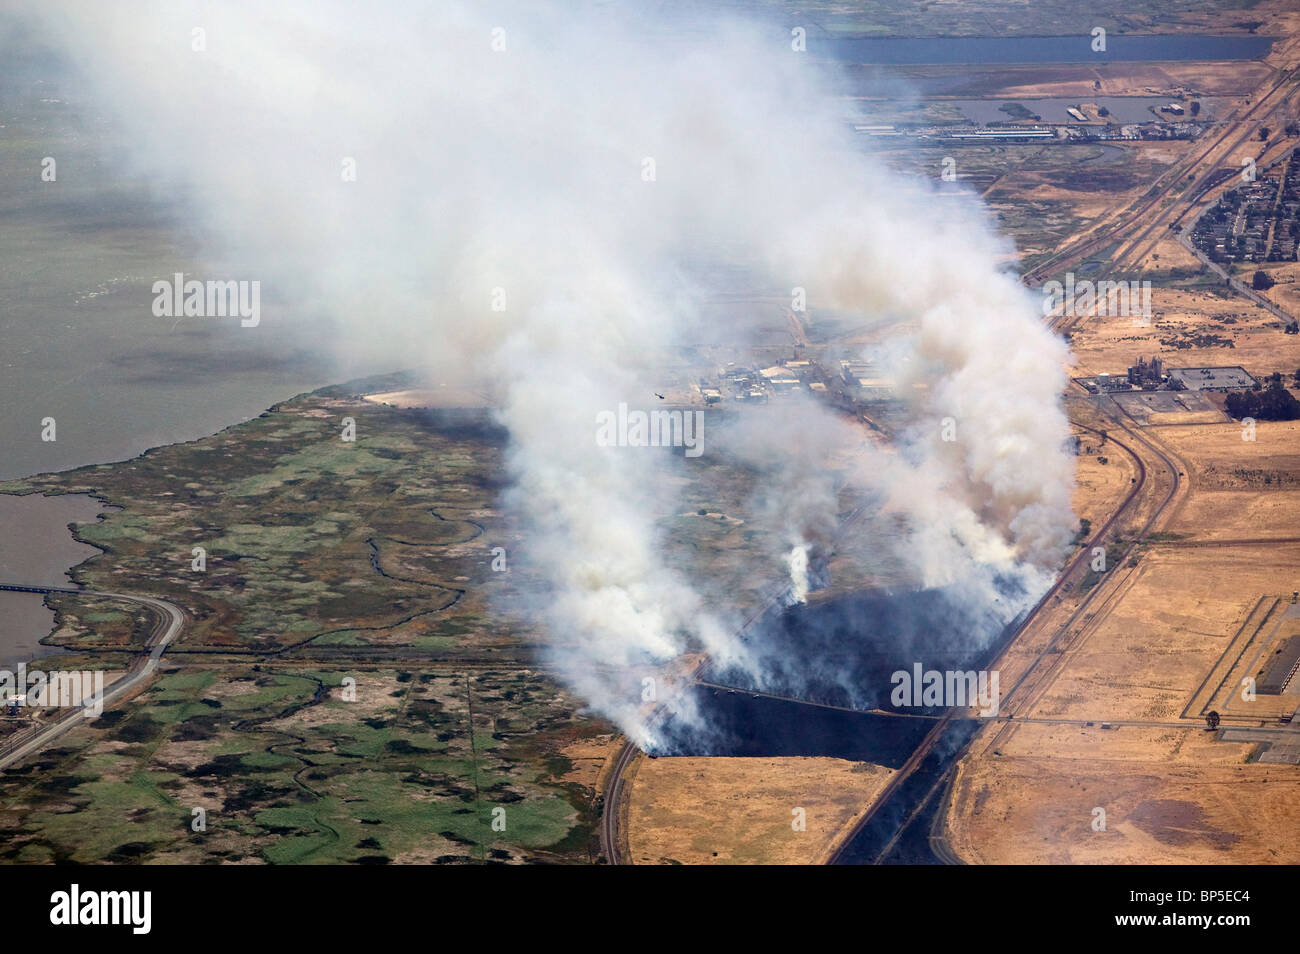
x: 842, y: 652
x: 744, y: 725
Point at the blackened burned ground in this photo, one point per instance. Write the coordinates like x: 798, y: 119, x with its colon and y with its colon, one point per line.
x: 844, y: 651
x: 853, y: 645
x: 900, y: 830
x: 841, y: 652
x: 745, y: 725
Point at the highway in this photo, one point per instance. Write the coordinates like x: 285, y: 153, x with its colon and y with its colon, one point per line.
x: 1132, y: 229
x: 615, y: 789
x: 169, y: 620
x: 969, y: 715
x: 1055, y: 655
x: 1242, y: 134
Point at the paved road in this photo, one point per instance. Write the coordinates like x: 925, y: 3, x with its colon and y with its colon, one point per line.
x: 1237, y: 284
x: 614, y: 793
x: 1144, y: 221
x: 1247, y: 725
x: 170, y: 620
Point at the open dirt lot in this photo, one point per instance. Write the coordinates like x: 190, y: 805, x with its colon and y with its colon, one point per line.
x: 1171, y: 795
x: 739, y: 810
x: 1041, y: 811
x: 1259, y: 473
x: 1169, y: 637
x: 1188, y: 328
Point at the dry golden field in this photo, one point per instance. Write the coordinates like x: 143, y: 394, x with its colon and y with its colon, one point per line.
x: 739, y: 810
x: 1167, y: 637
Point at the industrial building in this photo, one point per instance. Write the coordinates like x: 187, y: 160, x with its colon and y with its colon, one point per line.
x: 1105, y: 382
x: 1210, y: 379
x: 1280, y: 672
x: 1154, y: 376
x: 854, y: 372
x: 1144, y: 375
x: 1005, y: 132
x: 781, y: 378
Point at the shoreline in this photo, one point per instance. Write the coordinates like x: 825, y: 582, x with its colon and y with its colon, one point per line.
x: 19, y: 642
x: 35, y: 552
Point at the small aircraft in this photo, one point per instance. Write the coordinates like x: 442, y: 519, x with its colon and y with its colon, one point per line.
x: 659, y: 396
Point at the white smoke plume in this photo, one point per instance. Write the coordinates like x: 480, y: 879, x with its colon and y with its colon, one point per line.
x: 502, y: 154
x: 797, y: 560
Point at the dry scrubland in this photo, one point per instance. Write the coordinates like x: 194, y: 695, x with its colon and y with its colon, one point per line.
x: 1132, y: 79
x: 371, y: 562
x: 327, y: 562
x: 1041, y: 18
x: 1040, y: 811
x: 1171, y: 793
x: 1188, y: 328
x: 1174, y: 794
x: 330, y: 561
x: 1171, y: 633
x: 1286, y: 292
x: 1100, y: 487
x: 739, y: 810
x: 1168, y: 637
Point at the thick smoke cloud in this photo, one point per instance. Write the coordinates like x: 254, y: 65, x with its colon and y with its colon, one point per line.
x: 518, y: 175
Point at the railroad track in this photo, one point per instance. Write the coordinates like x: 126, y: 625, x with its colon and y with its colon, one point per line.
x: 1105, y: 236
x: 627, y: 754
x: 1140, y: 245
x: 1054, y: 644
x: 942, y: 721
x: 613, y: 795
x: 1237, y: 130
x: 615, y: 789
x: 1043, y: 679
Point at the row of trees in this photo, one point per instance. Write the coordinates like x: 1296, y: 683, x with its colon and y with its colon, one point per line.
x: 1273, y: 403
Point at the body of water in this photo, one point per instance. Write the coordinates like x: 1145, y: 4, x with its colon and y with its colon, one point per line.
x: 88, y: 374
x: 79, y: 343
x: 36, y: 547
x: 1000, y: 50
x: 1124, y: 109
